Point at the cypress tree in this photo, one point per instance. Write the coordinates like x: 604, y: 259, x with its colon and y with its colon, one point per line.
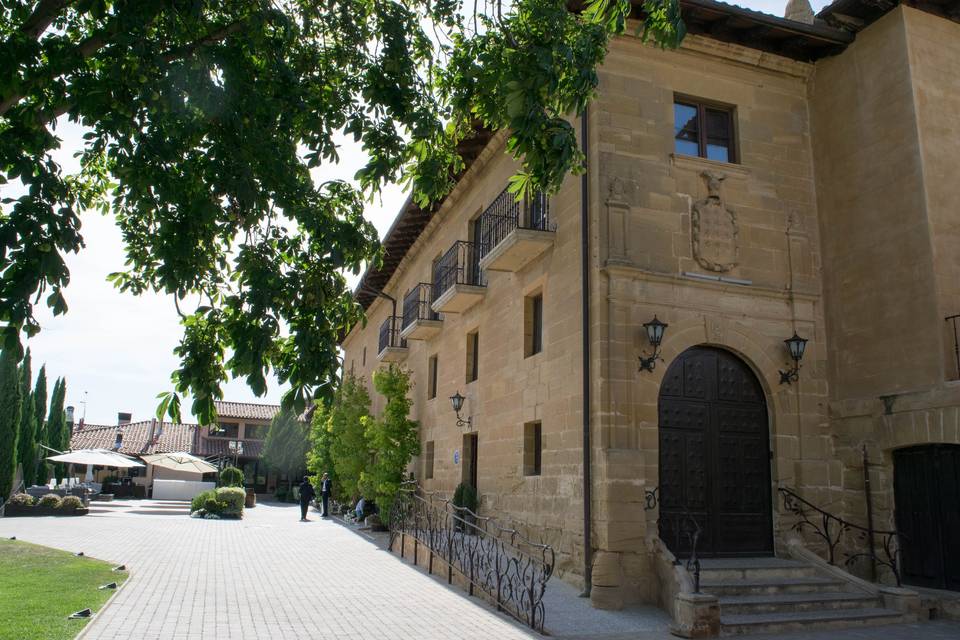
x: 40, y: 413
x: 9, y: 420
x: 28, y: 430
x: 57, y: 425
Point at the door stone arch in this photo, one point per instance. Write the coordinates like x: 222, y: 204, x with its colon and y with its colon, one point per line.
x: 714, y: 460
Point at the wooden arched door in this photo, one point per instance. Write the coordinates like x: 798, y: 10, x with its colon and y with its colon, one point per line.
x: 714, y: 456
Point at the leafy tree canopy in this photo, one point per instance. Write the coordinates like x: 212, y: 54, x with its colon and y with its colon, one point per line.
x: 204, y: 119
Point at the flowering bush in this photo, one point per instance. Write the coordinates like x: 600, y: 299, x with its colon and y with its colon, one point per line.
x: 22, y: 500
x: 71, y: 503
x: 50, y: 500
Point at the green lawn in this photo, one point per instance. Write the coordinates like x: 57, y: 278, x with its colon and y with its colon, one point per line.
x: 40, y: 587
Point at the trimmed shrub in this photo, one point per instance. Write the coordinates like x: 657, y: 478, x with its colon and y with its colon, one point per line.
x: 231, y: 477
x: 212, y: 506
x: 50, y: 500
x: 71, y: 503
x: 200, y: 500
x: 232, y: 499
x: 465, y: 496
x: 22, y: 500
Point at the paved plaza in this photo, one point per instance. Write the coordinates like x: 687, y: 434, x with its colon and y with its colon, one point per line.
x: 270, y: 576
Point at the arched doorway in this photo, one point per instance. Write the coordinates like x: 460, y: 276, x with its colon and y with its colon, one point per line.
x: 926, y: 486
x: 714, y: 456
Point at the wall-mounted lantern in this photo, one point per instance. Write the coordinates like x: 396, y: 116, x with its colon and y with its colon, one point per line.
x: 654, y: 330
x: 796, y: 346
x: 456, y: 401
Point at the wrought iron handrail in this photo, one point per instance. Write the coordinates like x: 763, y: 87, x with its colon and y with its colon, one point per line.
x: 685, y: 524
x: 416, y: 305
x: 506, y: 213
x: 459, y: 265
x: 510, y: 569
x: 390, y: 334
x: 832, y: 530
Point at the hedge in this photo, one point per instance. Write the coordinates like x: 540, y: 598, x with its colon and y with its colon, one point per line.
x: 226, y: 502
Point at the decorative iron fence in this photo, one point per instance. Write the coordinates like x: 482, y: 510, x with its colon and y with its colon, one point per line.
x: 505, y: 214
x: 509, y: 569
x: 390, y: 334
x: 459, y: 265
x: 416, y: 305
x: 834, y: 530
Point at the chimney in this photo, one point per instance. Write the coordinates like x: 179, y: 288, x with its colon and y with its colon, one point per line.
x: 70, y: 416
x: 799, y: 11
x: 124, y: 418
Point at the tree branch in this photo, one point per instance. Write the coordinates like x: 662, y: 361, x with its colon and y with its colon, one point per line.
x: 43, y: 15
x: 218, y: 35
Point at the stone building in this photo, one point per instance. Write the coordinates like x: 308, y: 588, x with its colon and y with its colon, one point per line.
x: 773, y: 177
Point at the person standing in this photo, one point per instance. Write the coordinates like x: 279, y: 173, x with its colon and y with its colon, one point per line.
x: 325, y: 495
x: 306, y: 495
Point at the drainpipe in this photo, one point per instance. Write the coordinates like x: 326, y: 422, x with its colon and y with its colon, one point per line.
x: 585, y: 295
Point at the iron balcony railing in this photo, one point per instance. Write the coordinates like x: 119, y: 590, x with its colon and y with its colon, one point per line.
x: 459, y: 265
x: 416, y: 305
x: 505, y: 214
x: 390, y: 334
x: 497, y: 561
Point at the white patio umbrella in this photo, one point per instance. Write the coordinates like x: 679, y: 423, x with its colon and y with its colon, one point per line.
x: 96, y: 458
x: 180, y: 462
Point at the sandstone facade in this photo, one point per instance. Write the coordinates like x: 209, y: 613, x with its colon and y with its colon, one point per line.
x: 843, y: 228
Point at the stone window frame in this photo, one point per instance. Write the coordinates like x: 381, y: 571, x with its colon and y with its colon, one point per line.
x: 473, y: 356
x: 533, y: 448
x: 533, y: 323
x: 433, y: 365
x: 702, y: 105
x: 429, y: 453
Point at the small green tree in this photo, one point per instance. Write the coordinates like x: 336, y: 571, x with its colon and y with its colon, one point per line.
x: 285, y: 448
x: 349, y: 451
x: 9, y: 420
x: 393, y: 438
x: 27, y: 444
x: 319, y: 458
x: 57, y: 425
x: 40, y: 414
x: 231, y: 477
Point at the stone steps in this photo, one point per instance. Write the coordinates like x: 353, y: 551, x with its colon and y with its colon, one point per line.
x: 774, y: 595
x: 806, y: 620
x: 807, y: 584
x: 787, y: 602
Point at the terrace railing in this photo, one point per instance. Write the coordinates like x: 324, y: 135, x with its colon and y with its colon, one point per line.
x: 503, y: 565
x: 459, y: 265
x: 505, y: 214
x: 390, y: 334
x: 416, y: 305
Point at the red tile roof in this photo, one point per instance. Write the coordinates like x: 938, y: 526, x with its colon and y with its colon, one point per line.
x: 168, y: 437
x: 246, y: 410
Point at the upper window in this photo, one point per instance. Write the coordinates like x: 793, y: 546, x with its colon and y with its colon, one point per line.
x: 533, y: 325
x: 473, y: 356
x: 432, y: 378
x: 227, y: 430
x: 255, y: 431
x: 703, y: 130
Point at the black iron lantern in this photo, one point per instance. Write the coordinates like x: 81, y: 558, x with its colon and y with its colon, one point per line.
x: 655, y: 330
x: 796, y: 346
x: 456, y: 401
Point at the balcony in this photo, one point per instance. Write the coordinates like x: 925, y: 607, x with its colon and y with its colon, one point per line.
x: 515, y: 233
x: 458, y: 281
x: 392, y: 347
x: 420, y: 322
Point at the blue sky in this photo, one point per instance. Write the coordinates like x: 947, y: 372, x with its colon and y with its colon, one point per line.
x: 115, y: 349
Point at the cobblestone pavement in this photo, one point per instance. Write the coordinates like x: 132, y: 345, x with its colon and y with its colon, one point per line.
x: 267, y: 576
x: 270, y: 576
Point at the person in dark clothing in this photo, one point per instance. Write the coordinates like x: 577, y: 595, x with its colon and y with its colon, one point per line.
x: 306, y: 495
x: 325, y: 485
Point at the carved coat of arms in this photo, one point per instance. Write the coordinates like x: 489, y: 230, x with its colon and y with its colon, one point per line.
x: 715, y: 233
